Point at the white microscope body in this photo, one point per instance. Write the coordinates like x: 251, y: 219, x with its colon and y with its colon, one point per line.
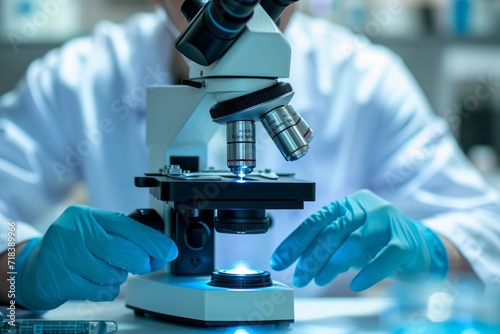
x: 179, y: 125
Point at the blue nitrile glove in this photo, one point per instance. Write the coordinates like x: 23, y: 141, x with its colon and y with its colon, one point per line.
x: 362, y: 231
x: 86, y: 254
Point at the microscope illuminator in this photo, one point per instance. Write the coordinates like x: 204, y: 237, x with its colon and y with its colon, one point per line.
x: 237, y: 279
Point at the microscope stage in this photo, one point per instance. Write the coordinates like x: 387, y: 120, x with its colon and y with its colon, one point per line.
x: 221, y: 192
x: 189, y: 299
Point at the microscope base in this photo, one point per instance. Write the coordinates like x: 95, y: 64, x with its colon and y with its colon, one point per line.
x: 189, y: 299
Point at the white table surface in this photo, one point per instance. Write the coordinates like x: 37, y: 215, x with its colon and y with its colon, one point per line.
x: 312, y: 315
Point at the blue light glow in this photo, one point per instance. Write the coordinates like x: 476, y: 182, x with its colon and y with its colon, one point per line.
x: 241, y: 331
x: 241, y: 271
x: 240, y: 268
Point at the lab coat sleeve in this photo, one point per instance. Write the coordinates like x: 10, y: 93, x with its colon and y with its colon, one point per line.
x: 48, y: 123
x: 38, y: 164
x: 421, y: 169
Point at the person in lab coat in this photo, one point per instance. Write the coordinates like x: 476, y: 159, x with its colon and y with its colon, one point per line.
x: 406, y: 202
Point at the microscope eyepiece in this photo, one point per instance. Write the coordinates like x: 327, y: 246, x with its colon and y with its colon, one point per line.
x: 274, y: 8
x: 190, y: 8
x: 214, y: 27
x: 227, y: 18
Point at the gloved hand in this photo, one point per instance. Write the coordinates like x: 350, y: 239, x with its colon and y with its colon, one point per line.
x: 86, y: 254
x: 362, y: 231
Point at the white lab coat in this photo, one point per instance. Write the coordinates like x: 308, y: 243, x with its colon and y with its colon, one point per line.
x: 79, y: 115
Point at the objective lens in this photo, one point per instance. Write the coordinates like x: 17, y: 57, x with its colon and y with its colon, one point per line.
x: 304, y: 128
x: 240, y: 138
x: 284, y: 126
x: 249, y: 279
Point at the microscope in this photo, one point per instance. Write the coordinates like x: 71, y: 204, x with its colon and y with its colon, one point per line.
x: 236, y: 56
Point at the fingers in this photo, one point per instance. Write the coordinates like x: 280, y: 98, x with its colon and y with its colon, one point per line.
x: 300, y: 239
x: 317, y: 242
x: 86, y: 265
x: 86, y: 290
x: 320, y: 251
x: 118, y: 241
x: 330, y: 227
x: 120, y: 253
x: 155, y: 244
x: 346, y: 256
x: 384, y: 264
x: 157, y: 264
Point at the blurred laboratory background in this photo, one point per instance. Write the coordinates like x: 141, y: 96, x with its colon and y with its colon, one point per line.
x: 452, y: 47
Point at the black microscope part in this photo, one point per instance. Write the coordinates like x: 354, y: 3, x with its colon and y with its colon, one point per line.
x: 228, y: 107
x: 258, y: 279
x: 213, y: 29
x: 148, y: 217
x: 274, y: 8
x: 242, y: 221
